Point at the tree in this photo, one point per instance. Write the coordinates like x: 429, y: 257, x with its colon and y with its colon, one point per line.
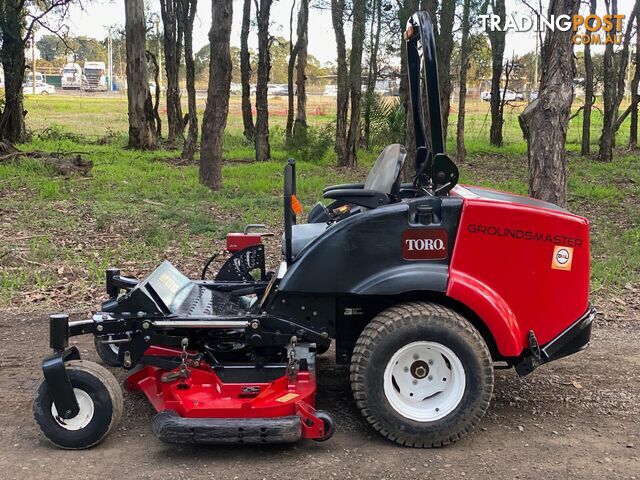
x: 216, y: 112
x: 342, y: 97
x: 497, y: 38
x: 589, y: 98
x: 245, y: 72
x: 172, y: 42
x: 263, y: 148
x: 142, y: 133
x: 188, y: 10
x: 300, y: 124
x: 635, y: 93
x: 349, y: 82
x: 464, y: 68
x: 298, y: 53
x: 614, y: 83
x: 18, y: 20
x: 373, y: 71
x: 358, y: 35
x: 545, y: 120
x: 293, y: 54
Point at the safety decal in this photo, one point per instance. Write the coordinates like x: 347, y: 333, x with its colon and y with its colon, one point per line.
x: 287, y: 397
x: 562, y: 258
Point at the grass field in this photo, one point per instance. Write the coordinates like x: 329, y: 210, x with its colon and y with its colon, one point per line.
x: 57, y: 235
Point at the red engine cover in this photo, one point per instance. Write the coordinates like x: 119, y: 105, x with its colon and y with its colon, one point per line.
x: 520, y: 266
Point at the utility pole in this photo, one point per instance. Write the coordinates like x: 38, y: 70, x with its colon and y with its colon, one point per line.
x: 33, y: 63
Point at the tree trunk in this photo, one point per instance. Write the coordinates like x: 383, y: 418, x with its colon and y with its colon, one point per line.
x: 155, y: 71
x: 545, y: 121
x: 342, y: 98
x: 245, y: 72
x: 142, y: 134
x: 172, y: 58
x: 635, y: 96
x: 497, y: 40
x: 189, y: 9
x: 216, y: 112
x: 464, y: 68
x: 589, y: 97
x: 300, y: 124
x: 445, y: 49
x: 614, y: 85
x: 263, y: 149
x: 373, y: 72
x: 293, y: 53
x: 358, y: 35
x: 12, y: 126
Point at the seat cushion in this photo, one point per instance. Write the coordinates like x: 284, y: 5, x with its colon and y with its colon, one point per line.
x: 302, y: 235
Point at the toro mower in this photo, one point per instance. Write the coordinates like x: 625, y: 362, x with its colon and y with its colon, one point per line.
x: 424, y: 286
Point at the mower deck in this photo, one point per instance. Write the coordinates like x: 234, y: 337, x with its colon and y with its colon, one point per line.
x: 253, y: 404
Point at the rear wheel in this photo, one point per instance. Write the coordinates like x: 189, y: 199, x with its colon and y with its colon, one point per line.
x: 421, y: 374
x: 108, y: 352
x: 100, y: 400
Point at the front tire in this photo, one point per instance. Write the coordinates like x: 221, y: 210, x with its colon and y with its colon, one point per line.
x: 422, y: 375
x: 100, y: 399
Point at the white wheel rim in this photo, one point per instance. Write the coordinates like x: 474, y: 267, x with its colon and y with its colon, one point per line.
x: 84, y: 416
x: 424, y: 381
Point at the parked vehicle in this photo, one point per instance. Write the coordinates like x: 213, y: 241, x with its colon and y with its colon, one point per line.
x: 41, y: 88
x: 72, y: 77
x: 39, y: 77
x: 331, y: 91
x: 278, y: 90
x: 96, y: 78
x: 508, y: 96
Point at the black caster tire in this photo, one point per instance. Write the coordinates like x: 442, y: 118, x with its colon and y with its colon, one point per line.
x: 108, y: 353
x: 101, y: 404
x: 329, y: 425
x: 421, y: 375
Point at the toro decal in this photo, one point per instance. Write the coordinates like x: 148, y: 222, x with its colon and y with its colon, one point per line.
x: 425, y: 244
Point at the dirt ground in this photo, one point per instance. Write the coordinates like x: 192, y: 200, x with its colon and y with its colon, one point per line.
x: 575, y: 418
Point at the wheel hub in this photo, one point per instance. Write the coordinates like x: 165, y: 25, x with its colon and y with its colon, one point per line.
x: 419, y: 369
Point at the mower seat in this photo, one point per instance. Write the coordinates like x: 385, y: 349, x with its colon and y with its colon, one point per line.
x: 302, y: 235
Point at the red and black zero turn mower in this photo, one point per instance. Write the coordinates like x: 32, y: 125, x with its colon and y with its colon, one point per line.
x: 423, y: 286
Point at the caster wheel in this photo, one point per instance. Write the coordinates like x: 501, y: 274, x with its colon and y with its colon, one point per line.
x: 422, y: 375
x: 100, y: 399
x: 329, y: 425
x: 108, y: 352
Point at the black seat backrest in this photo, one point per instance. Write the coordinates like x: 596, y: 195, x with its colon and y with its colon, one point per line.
x: 384, y: 177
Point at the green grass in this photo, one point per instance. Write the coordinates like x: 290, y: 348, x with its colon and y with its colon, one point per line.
x: 58, y: 235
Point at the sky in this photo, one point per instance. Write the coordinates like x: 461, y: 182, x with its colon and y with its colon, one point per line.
x: 101, y: 14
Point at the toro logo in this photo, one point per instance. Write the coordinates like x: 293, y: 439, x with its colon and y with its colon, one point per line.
x: 425, y: 244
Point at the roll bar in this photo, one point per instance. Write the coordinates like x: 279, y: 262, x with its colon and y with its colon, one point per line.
x: 289, y: 186
x: 435, y: 174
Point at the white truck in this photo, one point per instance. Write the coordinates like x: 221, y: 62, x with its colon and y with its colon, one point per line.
x: 96, y: 76
x: 72, y: 78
